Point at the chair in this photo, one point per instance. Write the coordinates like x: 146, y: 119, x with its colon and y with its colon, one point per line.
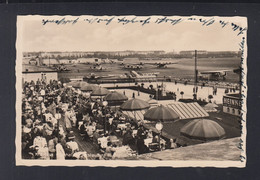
x: 154, y: 147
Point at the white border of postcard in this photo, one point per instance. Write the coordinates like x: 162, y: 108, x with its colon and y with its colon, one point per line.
x: 128, y: 163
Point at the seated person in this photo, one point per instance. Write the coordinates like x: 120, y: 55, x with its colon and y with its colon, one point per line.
x: 83, y: 130
x: 102, y: 141
x: 108, y: 154
x: 113, y: 138
x: 149, y: 134
x: 128, y: 138
x: 155, y: 139
x: 71, y: 142
x: 90, y: 130
x: 171, y: 144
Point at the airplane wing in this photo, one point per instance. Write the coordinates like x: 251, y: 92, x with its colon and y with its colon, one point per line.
x: 158, y: 63
x: 212, y: 72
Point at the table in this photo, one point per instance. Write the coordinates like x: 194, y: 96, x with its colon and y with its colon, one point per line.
x: 122, y: 152
x: 148, y: 141
x: 121, y: 126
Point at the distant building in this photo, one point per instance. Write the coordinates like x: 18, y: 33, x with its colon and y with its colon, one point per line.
x: 232, y: 104
x: 50, y: 61
x: 88, y: 60
x: 65, y: 61
x: 41, y: 75
x: 32, y: 72
x: 131, y: 61
x: 224, y: 53
x: 192, y: 52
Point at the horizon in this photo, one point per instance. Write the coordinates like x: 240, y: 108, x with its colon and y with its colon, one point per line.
x: 131, y: 51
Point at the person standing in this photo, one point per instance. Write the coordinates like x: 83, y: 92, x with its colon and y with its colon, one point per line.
x: 67, y: 119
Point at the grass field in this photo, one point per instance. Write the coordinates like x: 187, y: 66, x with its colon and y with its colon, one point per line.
x: 183, y: 69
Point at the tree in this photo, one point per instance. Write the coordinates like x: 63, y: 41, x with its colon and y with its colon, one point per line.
x: 182, y: 93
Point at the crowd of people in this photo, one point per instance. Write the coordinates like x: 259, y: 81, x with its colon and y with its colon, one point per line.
x: 53, y: 115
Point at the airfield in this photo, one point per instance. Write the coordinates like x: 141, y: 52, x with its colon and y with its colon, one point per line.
x: 182, y: 68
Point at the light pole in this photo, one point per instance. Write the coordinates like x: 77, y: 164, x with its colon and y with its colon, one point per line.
x: 196, y: 73
x: 159, y: 127
x: 105, y: 103
x: 41, y: 99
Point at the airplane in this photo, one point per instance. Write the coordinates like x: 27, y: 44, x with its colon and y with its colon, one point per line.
x: 60, y: 68
x: 138, y: 75
x: 97, y: 67
x: 213, y: 75
x: 162, y: 64
x: 133, y: 66
x: 95, y: 77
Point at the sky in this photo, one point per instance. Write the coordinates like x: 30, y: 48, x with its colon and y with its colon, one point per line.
x: 83, y: 36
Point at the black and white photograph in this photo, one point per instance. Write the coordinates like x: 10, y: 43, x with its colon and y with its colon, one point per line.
x: 131, y: 91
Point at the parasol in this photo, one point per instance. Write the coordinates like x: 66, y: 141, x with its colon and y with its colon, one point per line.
x: 203, y: 129
x: 88, y: 87
x: 134, y: 105
x: 77, y: 84
x: 161, y: 113
x: 99, y: 92
x: 115, y: 96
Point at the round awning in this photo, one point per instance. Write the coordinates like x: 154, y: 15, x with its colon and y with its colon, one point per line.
x: 115, y: 96
x: 161, y: 113
x: 99, y: 92
x: 203, y: 129
x: 134, y: 105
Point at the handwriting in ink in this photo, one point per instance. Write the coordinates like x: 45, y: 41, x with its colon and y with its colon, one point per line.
x: 192, y: 19
x: 99, y: 20
x: 166, y: 20
x: 242, y: 158
x: 61, y: 21
x: 240, y: 144
x: 91, y: 20
x: 241, y: 48
x: 207, y: 22
x: 236, y: 27
x: 223, y: 23
x: 125, y: 21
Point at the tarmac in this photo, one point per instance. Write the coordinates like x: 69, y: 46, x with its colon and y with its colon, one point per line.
x: 203, y: 92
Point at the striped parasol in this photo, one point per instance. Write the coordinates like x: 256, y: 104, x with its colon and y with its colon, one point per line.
x: 161, y: 113
x: 78, y: 84
x: 88, y: 87
x: 203, y: 129
x: 99, y: 92
x: 115, y: 96
x: 134, y: 105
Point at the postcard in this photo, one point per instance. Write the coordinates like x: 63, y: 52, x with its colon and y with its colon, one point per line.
x: 132, y: 91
